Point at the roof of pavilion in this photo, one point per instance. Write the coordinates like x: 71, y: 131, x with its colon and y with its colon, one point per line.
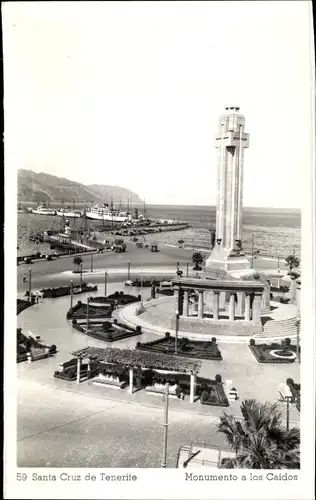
x: 218, y: 284
x: 132, y: 358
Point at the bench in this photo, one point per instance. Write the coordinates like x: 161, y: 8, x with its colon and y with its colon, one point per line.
x: 37, y: 353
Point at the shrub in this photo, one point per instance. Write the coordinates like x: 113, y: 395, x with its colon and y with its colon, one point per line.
x: 79, y: 303
x: 106, y: 325
x: 74, y: 321
x: 115, y: 321
x: 252, y: 342
x: 214, y: 340
x: 53, y: 348
x: 109, y: 335
x: 139, y: 297
x: 138, y: 328
x: 218, y: 378
x: 205, y: 396
x: 138, y: 344
x: 287, y: 341
x: 167, y: 335
x: 116, y: 294
x: 289, y: 381
x: 71, y: 372
x: 262, y: 357
x: 218, y: 354
x: 121, y: 293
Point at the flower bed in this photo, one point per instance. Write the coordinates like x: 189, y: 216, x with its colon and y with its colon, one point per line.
x: 122, y: 298
x: 108, y: 331
x: 29, y: 348
x: 213, y: 394
x: 185, y: 348
x: 22, y: 304
x: 79, y: 311
x: 61, y: 291
x: 282, y: 352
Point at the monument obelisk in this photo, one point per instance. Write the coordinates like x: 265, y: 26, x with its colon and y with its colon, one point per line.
x: 231, y: 141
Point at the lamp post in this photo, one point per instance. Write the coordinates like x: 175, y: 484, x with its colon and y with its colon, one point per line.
x: 141, y: 286
x: 105, y: 282
x: 92, y: 262
x: 298, y: 355
x: 252, y: 247
x: 177, y: 331
x: 288, y: 399
x: 81, y: 275
x: 187, y: 269
x: 30, y: 283
x: 128, y: 270
x: 165, y: 429
x: 71, y: 294
x: 88, y: 314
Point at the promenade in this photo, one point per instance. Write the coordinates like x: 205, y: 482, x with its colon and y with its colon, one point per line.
x: 64, y: 424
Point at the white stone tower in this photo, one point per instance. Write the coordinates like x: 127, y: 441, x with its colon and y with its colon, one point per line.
x: 231, y: 141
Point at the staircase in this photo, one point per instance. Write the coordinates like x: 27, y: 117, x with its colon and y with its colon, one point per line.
x: 281, y: 328
x: 160, y: 318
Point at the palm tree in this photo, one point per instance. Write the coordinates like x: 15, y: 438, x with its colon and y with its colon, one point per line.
x: 77, y: 262
x: 260, y: 441
x: 197, y: 259
x: 292, y: 261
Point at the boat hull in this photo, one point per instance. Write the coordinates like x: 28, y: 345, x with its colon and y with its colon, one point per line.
x: 43, y: 212
x: 68, y: 214
x: 106, y: 217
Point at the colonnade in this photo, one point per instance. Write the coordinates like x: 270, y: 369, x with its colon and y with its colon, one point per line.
x: 246, y: 305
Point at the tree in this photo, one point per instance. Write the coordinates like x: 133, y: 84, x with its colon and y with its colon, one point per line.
x: 260, y: 441
x: 197, y: 259
x: 77, y: 262
x: 292, y: 261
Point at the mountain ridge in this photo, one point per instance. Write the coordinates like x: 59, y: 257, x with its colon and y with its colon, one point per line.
x: 45, y: 188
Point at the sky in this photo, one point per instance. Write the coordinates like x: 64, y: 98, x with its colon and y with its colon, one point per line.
x: 130, y: 93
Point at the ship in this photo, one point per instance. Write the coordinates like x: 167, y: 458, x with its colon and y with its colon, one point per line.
x: 68, y: 213
x: 108, y: 213
x: 43, y: 210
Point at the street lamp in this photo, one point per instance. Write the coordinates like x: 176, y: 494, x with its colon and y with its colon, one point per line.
x: 298, y: 355
x: 177, y: 331
x: 128, y: 270
x: 187, y: 269
x: 30, y: 283
x: 71, y: 294
x: 165, y: 433
x: 288, y: 399
x: 92, y: 262
x: 81, y: 275
x: 105, y: 282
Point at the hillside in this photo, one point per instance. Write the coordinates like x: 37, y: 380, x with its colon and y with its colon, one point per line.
x: 41, y: 187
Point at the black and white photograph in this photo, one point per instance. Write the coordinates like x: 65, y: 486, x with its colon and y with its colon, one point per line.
x: 159, y: 249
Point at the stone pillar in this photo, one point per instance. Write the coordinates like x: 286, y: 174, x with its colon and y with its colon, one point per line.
x: 131, y: 373
x: 216, y: 305
x: 232, y: 307
x: 192, y: 387
x: 293, y: 290
x: 222, y: 300
x: 240, y: 307
x: 186, y: 303
x: 266, y: 297
x: 180, y: 302
x: 256, y: 308
x: 78, y: 370
x: 247, y: 308
x: 200, y: 305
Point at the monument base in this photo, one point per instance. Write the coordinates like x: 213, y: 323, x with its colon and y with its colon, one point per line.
x: 226, y: 261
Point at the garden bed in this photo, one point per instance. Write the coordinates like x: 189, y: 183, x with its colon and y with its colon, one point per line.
x: 30, y: 348
x: 186, y: 348
x: 122, y: 298
x: 282, y: 352
x: 108, y: 331
x: 22, y: 304
x: 61, y: 291
x: 79, y: 311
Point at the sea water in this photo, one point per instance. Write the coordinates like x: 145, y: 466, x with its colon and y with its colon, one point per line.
x: 276, y: 231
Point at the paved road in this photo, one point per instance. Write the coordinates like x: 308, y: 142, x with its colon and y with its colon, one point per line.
x: 48, y: 273
x: 59, y: 430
